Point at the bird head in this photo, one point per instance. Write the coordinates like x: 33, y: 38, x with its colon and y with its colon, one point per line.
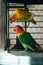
x: 18, y: 29
x: 13, y: 18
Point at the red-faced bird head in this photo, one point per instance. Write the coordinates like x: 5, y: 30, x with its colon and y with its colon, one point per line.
x: 18, y: 29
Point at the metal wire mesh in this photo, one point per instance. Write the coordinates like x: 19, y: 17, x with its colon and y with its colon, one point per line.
x: 35, y: 30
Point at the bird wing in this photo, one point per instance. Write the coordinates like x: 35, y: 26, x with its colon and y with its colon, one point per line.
x: 27, y: 39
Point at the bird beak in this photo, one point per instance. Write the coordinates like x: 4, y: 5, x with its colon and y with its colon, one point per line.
x: 10, y: 21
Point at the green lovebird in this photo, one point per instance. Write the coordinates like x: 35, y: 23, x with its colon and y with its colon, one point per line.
x: 20, y: 15
x: 26, y: 39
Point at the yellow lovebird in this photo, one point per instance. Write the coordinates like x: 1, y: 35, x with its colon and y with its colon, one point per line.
x: 21, y: 15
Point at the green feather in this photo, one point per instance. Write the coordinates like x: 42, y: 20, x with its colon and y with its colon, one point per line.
x: 27, y: 47
x: 27, y: 41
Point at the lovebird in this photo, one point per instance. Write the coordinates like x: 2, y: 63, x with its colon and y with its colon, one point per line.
x: 26, y: 39
x: 20, y: 15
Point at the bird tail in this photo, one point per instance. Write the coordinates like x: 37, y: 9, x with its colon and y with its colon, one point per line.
x: 38, y: 47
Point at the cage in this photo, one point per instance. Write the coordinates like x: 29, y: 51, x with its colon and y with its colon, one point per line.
x: 35, y: 30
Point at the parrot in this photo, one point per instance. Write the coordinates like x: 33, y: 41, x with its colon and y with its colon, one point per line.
x: 26, y: 39
x: 20, y: 15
